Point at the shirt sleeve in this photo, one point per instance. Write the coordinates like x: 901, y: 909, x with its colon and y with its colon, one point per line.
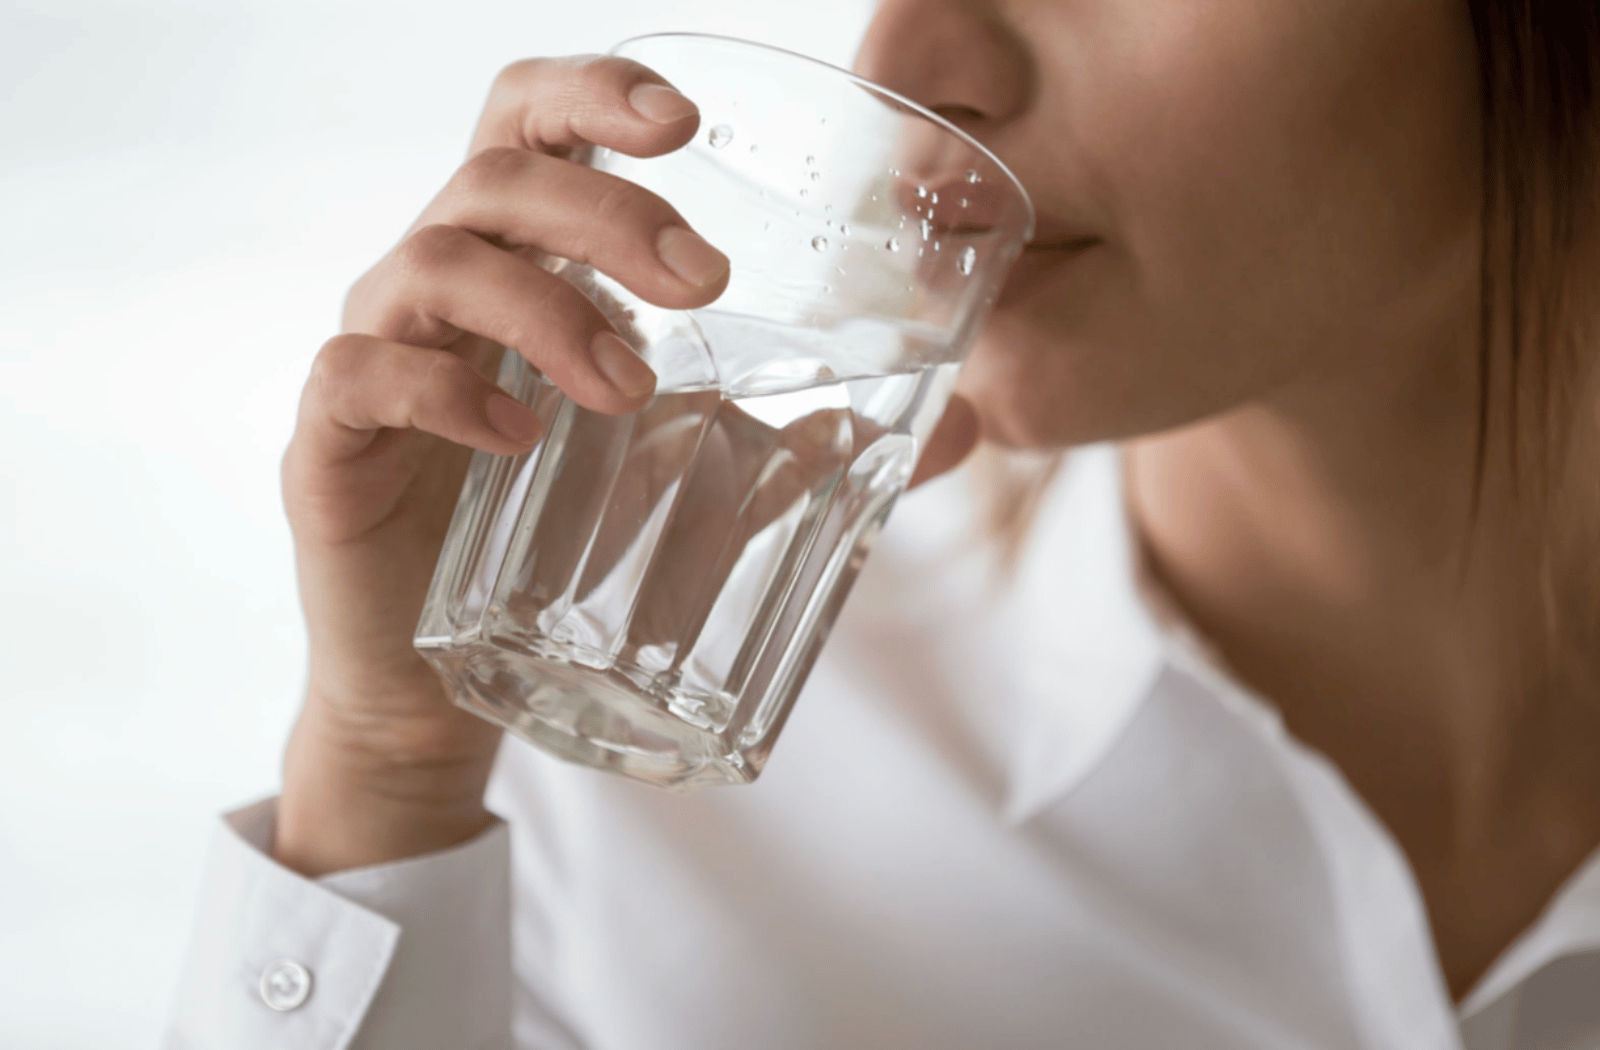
x: 414, y: 955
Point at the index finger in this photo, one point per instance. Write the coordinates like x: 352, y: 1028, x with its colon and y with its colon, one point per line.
x: 554, y: 105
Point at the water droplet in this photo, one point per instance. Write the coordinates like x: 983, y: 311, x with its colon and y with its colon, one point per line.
x: 934, y: 198
x: 720, y: 136
x: 819, y: 243
x: 816, y: 176
x: 902, y: 222
x: 895, y: 172
x: 844, y: 231
x: 922, y: 191
x: 927, y: 229
x: 803, y: 191
x: 874, y: 196
x: 822, y: 120
x: 767, y: 225
x: 841, y: 270
x: 752, y: 147
x: 893, y: 244
x: 828, y: 223
x: 824, y: 372
x: 811, y: 161
x: 935, y: 245
x: 828, y: 208
x: 965, y: 259
x: 827, y: 288
x: 921, y: 252
x: 973, y: 177
x: 963, y: 202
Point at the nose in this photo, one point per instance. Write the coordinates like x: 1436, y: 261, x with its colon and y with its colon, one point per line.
x: 956, y: 57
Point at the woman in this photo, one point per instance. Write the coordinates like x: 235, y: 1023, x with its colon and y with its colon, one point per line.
x: 1280, y: 732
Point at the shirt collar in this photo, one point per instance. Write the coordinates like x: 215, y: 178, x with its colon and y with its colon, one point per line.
x: 1570, y: 925
x: 1088, y: 647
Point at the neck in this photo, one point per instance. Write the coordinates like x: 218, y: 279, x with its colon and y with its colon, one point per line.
x: 1334, y: 543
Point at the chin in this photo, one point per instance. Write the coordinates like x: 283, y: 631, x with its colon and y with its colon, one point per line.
x: 1032, y: 391
x: 1043, y: 375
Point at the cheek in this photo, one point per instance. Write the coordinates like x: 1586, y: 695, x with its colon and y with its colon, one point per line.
x: 1277, y: 182
x: 1093, y: 360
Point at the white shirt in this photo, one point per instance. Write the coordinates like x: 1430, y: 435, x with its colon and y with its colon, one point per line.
x: 1001, y: 816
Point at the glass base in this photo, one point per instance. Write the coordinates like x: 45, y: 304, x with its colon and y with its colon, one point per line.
x: 595, y: 716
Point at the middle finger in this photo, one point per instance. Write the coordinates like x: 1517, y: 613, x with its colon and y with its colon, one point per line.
x: 525, y: 199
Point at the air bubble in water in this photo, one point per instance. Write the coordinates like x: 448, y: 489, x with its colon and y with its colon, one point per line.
x: 720, y: 136
x: 965, y: 259
x: 927, y: 229
x: 973, y: 177
x: 819, y: 243
x: 893, y: 244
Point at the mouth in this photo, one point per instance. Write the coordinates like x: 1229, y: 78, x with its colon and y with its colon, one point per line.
x: 1040, y: 264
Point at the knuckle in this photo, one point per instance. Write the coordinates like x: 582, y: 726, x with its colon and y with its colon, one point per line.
x: 446, y: 375
x: 516, y: 74
x: 489, y: 169
x: 432, y: 248
x: 336, y: 366
x: 619, y: 202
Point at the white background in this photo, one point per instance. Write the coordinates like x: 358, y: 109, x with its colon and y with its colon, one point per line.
x: 186, y: 191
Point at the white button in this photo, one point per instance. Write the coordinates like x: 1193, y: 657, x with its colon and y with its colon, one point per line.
x: 285, y: 984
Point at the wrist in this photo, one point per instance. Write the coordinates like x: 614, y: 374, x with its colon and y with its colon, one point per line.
x: 349, y: 804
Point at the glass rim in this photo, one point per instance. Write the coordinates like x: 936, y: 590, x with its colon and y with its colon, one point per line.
x: 916, y: 107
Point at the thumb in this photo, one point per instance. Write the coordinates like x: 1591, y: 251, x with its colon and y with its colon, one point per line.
x: 954, y: 437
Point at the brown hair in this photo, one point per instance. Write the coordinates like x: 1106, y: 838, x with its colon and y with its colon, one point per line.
x: 1540, y: 76
x: 1539, y: 319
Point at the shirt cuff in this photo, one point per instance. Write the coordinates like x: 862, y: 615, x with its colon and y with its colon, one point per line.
x: 414, y: 954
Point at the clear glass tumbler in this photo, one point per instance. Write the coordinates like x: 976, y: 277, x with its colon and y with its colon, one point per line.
x: 646, y: 593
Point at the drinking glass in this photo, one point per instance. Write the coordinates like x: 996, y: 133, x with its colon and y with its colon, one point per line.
x: 646, y: 593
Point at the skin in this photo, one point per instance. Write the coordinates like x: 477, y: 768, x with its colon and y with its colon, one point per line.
x: 1257, y: 263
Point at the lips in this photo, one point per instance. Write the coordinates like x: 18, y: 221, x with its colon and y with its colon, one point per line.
x: 1039, y: 264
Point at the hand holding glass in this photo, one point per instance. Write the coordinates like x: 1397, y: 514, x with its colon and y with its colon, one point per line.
x: 646, y: 593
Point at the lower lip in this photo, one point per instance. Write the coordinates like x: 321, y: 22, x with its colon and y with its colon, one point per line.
x: 1037, y: 268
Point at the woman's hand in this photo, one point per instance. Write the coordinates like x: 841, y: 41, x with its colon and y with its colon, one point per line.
x: 381, y: 765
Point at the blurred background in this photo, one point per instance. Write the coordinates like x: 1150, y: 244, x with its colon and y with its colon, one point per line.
x: 186, y: 191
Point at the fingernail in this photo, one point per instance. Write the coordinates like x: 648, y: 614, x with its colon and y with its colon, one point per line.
x: 660, y: 103
x: 621, y: 365
x: 688, y: 255
x: 514, y: 420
